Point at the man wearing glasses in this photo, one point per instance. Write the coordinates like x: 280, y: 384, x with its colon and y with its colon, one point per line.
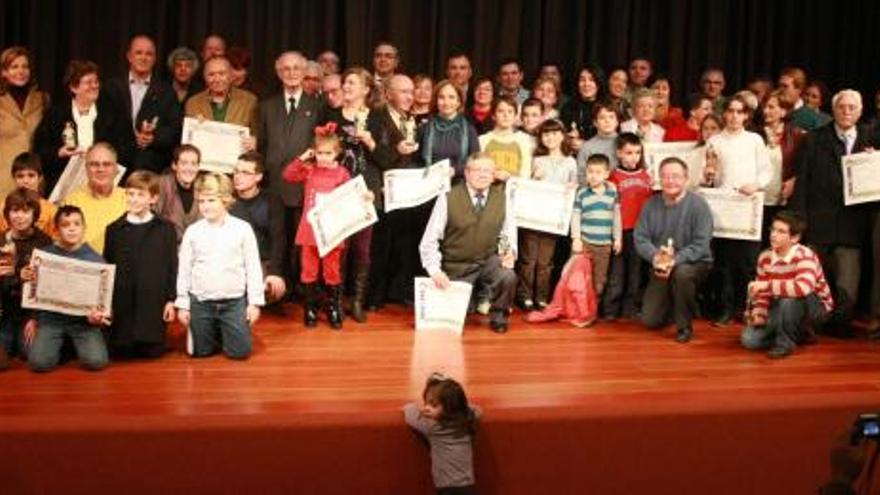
x: 100, y: 200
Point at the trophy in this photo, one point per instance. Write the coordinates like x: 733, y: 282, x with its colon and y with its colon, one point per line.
x: 7, y: 251
x: 409, y: 130
x: 663, y: 265
x: 710, y: 172
x: 503, y: 245
x: 360, y: 120
x: 68, y: 136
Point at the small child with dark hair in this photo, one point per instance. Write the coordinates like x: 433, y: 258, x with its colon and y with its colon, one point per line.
x: 789, y: 295
x: 143, y: 246
x: 27, y: 172
x: 47, y: 332
x: 448, y: 422
x: 20, y: 209
x: 595, y: 220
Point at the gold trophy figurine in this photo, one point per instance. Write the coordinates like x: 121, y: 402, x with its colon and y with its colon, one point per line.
x: 663, y: 264
x: 710, y: 172
x: 360, y: 121
x: 409, y: 130
x: 7, y: 251
x: 68, y: 136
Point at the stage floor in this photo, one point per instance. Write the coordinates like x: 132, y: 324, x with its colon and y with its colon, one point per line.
x: 300, y: 378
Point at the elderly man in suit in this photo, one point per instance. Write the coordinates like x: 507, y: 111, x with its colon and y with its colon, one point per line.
x: 286, y: 127
x: 148, y: 107
x: 836, y: 231
x: 222, y: 102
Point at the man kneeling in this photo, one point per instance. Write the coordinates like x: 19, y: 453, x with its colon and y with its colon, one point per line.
x: 790, y: 294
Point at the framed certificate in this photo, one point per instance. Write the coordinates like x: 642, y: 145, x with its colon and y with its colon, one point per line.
x: 69, y: 286
x: 861, y: 178
x: 441, y: 309
x: 687, y: 151
x: 405, y: 188
x: 735, y: 215
x: 218, y: 142
x: 341, y: 213
x: 540, y: 205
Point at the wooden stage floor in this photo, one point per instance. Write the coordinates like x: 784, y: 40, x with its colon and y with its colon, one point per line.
x: 305, y: 379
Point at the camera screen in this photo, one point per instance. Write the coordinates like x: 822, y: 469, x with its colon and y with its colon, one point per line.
x: 871, y: 429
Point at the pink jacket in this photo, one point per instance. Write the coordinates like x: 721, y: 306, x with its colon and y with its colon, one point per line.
x: 574, y: 298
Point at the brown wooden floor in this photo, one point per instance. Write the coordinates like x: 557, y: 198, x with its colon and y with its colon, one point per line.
x: 608, y: 369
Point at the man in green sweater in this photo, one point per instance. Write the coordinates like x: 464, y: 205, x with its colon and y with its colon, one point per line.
x: 471, y: 238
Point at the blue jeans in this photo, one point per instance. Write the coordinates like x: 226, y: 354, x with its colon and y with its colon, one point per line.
x: 784, y: 327
x: 45, y: 351
x: 223, y: 318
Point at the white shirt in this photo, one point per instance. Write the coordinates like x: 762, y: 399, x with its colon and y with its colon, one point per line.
x: 85, y: 126
x: 742, y: 159
x: 138, y: 88
x: 847, y: 137
x: 296, y: 95
x: 654, y: 135
x: 219, y: 261
x: 429, y: 247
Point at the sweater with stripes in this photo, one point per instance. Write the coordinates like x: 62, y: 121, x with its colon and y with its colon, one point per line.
x: 795, y: 275
x: 596, y: 215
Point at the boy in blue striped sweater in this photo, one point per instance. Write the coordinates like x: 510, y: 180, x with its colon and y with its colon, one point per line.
x: 595, y: 220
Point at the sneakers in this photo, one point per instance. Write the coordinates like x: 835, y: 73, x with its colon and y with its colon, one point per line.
x: 483, y: 307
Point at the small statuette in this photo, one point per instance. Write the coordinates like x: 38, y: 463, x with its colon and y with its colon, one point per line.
x: 68, y: 135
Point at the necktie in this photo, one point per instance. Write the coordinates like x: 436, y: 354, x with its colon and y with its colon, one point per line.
x: 847, y: 144
x: 291, y: 107
x: 481, y: 202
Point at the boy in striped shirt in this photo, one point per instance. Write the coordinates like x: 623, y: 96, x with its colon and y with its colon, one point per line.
x: 790, y: 293
x: 595, y: 219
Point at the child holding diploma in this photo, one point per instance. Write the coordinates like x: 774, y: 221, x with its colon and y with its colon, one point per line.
x: 448, y: 422
x: 219, y: 280
x: 321, y: 177
x: 45, y: 334
x: 143, y: 246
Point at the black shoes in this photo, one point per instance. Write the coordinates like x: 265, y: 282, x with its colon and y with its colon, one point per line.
x: 498, y: 321
x: 779, y: 352
x: 310, y: 316
x: 684, y: 335
x: 334, y: 306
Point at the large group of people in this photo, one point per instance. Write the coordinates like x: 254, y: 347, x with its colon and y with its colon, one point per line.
x: 210, y: 249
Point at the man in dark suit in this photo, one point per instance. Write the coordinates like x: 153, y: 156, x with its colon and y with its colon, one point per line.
x: 148, y: 107
x: 287, y: 123
x: 393, y: 263
x: 836, y: 231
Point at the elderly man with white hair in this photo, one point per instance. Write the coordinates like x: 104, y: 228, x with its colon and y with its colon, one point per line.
x: 835, y: 231
x: 101, y: 200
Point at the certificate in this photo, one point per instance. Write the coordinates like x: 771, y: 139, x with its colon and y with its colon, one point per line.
x: 441, y: 309
x: 405, y: 188
x: 540, y: 205
x: 218, y: 142
x: 74, y: 177
x: 69, y: 286
x: 686, y: 151
x: 735, y: 215
x: 861, y: 178
x: 340, y: 214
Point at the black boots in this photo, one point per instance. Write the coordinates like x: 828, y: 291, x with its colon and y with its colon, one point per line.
x: 334, y: 306
x: 361, y: 281
x: 310, y: 317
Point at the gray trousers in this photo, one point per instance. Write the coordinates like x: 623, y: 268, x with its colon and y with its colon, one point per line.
x: 489, y: 275
x: 677, y: 293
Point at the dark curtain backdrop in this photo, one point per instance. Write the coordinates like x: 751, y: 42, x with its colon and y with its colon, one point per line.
x: 836, y: 41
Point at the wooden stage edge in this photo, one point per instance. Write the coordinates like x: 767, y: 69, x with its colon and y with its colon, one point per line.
x: 566, y: 410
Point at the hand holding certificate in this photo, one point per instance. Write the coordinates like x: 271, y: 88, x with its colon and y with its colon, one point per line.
x: 441, y: 309
x: 861, y: 178
x: 219, y: 143
x: 341, y: 213
x: 405, y: 188
x: 735, y: 215
x: 540, y: 205
x: 69, y: 286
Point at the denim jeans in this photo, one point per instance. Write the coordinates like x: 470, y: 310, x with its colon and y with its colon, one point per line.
x: 11, y: 334
x: 45, y: 351
x: 785, y: 322
x: 223, y: 318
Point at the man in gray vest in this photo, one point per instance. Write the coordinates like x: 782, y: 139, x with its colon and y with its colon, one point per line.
x: 471, y: 238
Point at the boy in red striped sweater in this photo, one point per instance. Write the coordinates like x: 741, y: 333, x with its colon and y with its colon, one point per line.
x: 790, y: 293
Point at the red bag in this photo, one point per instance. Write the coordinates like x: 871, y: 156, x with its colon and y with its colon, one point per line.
x: 574, y: 298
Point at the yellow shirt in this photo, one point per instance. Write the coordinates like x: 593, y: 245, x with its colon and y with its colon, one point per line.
x: 46, y: 221
x: 98, y: 212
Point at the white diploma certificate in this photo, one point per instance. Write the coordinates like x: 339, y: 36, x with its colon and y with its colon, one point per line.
x: 540, y: 205
x: 74, y: 177
x: 735, y: 215
x: 218, y: 142
x: 341, y: 213
x: 405, y: 188
x: 69, y: 286
x: 686, y: 151
x: 441, y: 309
x: 861, y: 178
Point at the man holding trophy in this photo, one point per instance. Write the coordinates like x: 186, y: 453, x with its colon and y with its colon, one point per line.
x: 673, y: 234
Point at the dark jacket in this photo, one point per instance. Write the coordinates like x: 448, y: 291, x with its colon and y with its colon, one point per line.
x: 159, y: 103
x: 146, y: 277
x: 818, y: 192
